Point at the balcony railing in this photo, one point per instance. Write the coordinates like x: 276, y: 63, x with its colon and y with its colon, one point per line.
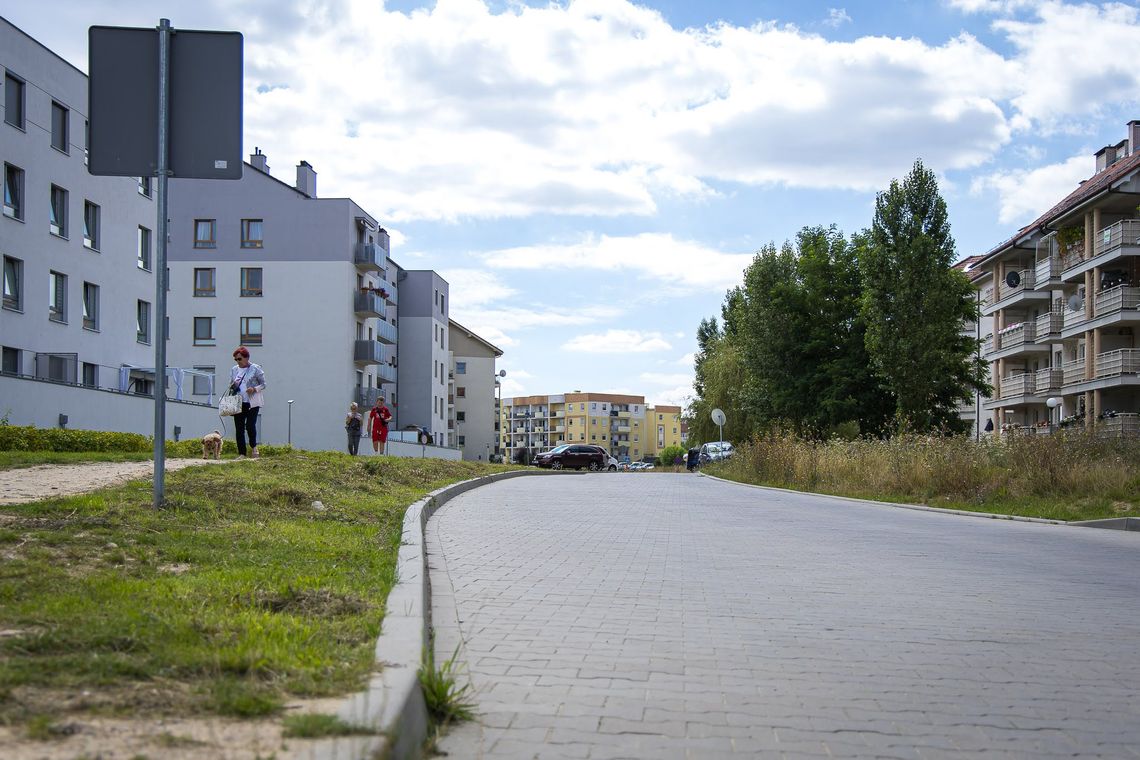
x: 1124, y: 361
x: 1024, y: 282
x: 1123, y: 234
x: 1017, y: 335
x: 1121, y: 423
x: 1049, y: 324
x: 1048, y: 379
x: 369, y: 257
x: 393, y: 296
x: 1075, y: 316
x: 367, y: 352
x: 386, y: 332
x: 1120, y: 298
x: 368, y: 304
x: 385, y: 373
x: 1018, y: 385
x: 1073, y: 371
x: 366, y: 397
x: 988, y: 344
x: 987, y: 295
x: 1047, y: 270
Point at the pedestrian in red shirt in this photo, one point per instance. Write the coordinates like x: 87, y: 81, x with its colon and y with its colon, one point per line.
x: 378, y: 418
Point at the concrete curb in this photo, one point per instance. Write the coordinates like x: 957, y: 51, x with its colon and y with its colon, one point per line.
x: 392, y: 705
x: 918, y: 507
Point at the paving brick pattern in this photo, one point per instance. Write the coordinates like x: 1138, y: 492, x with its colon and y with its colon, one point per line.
x: 648, y: 615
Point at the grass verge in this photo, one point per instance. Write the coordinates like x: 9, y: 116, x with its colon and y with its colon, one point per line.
x: 232, y: 599
x: 1069, y: 476
x: 316, y: 726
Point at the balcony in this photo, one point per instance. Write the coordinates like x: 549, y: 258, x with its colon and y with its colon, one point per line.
x: 1047, y: 270
x: 367, y: 304
x: 1073, y: 372
x: 1048, y: 326
x: 559, y: 428
x: 623, y: 428
x: 1017, y: 335
x: 987, y: 345
x: 1110, y: 243
x: 1074, y: 317
x: 369, y: 257
x: 1006, y: 295
x: 393, y: 294
x: 1048, y: 380
x: 386, y: 332
x: 366, y: 397
x: 1018, y: 385
x: 1114, y: 300
x: 451, y: 399
x: 1124, y: 361
x: 367, y: 352
x: 1120, y: 423
x: 624, y: 415
x: 987, y: 296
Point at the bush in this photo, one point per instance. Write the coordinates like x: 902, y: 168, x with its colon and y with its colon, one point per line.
x: 669, y: 454
x: 28, y: 438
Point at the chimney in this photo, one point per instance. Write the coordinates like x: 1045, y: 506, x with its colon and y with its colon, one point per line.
x: 306, y: 179
x: 1105, y: 157
x: 258, y: 161
x: 1133, y: 136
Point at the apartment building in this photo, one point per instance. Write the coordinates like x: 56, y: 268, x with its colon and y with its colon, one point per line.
x: 971, y: 411
x: 622, y: 424
x: 423, y: 353
x: 77, y: 327
x: 304, y: 282
x: 1062, y: 302
x: 472, y: 383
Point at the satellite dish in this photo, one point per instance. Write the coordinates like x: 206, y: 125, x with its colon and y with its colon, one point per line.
x: 1074, y: 302
x: 718, y: 417
x: 1013, y: 279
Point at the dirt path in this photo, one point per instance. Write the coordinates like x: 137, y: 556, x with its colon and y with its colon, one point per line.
x: 43, y: 481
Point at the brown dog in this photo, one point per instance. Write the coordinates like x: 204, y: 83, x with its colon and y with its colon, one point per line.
x: 212, y: 445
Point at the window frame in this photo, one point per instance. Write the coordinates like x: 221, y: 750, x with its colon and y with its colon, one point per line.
x: 245, y: 291
x: 91, y: 220
x: 143, y: 258
x: 461, y: 368
x: 13, y: 287
x: 90, y: 306
x: 62, y: 141
x: 206, y: 340
x: 145, y: 188
x: 21, y: 88
x: 247, y: 241
x: 57, y: 221
x: 142, y: 322
x: 212, y: 291
x: 57, y: 296
x: 212, y: 240
x: 14, y: 206
x: 94, y: 369
x: 197, y: 379
x: 461, y: 391
x: 248, y: 337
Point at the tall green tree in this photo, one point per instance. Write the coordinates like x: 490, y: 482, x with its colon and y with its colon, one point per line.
x: 914, y: 305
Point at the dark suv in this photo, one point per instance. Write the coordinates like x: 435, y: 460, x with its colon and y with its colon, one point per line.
x: 574, y: 455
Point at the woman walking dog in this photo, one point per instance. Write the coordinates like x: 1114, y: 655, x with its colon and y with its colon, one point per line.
x: 248, y: 381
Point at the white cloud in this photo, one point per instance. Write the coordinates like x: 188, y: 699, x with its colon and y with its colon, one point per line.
x: 836, y: 17
x: 992, y: 6
x: 679, y: 396
x: 475, y: 287
x: 659, y: 378
x: 1024, y: 194
x: 688, y: 265
x: 687, y: 360
x: 617, y: 342
x: 492, y: 322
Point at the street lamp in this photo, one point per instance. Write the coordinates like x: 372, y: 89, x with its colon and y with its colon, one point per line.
x: 499, y: 409
x: 290, y: 433
x: 1052, y: 402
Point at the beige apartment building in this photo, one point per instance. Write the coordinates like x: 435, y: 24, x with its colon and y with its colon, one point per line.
x: 623, y: 425
x: 1060, y: 305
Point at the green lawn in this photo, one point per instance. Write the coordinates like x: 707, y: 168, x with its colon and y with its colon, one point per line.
x: 233, y: 598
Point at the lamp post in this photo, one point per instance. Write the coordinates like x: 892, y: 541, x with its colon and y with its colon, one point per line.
x: 290, y: 433
x: 1052, y: 402
x: 499, y: 410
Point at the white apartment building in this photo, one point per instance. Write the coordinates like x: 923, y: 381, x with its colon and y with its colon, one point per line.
x: 1061, y: 307
x: 77, y: 327
x: 423, y: 353
x: 471, y: 394
x: 304, y: 282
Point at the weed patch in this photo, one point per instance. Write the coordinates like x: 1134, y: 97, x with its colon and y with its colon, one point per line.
x: 315, y: 726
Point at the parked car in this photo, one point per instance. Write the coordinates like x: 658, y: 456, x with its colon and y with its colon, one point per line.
x: 715, y: 451
x: 613, y: 465
x: 575, y: 456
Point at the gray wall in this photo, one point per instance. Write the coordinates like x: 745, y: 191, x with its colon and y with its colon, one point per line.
x: 423, y: 319
x: 478, y: 401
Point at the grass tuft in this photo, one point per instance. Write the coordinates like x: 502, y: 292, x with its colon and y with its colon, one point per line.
x: 446, y: 700
x: 316, y: 725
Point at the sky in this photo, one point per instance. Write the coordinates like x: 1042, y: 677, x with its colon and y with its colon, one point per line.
x: 591, y: 176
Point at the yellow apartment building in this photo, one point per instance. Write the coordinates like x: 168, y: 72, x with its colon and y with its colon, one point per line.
x: 623, y: 425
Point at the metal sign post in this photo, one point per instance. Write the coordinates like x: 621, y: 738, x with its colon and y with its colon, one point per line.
x: 160, y: 264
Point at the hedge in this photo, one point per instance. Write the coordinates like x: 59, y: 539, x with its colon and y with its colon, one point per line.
x: 21, y: 438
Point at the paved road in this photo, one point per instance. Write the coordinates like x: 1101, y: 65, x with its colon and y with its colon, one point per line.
x: 649, y: 615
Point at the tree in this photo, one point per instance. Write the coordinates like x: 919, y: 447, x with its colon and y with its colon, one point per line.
x: 914, y: 304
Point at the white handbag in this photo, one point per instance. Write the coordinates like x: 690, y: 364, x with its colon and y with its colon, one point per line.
x: 229, y: 404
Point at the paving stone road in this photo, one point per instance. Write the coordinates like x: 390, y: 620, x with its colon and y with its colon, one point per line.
x: 649, y: 615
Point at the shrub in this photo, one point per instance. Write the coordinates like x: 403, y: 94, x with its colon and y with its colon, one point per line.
x: 28, y: 438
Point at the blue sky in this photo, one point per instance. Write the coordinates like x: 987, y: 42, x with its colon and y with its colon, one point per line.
x: 592, y: 175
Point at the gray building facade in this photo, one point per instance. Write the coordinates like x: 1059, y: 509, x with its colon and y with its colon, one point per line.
x: 423, y: 352
x: 472, y: 383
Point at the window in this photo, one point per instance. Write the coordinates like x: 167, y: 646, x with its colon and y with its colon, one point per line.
x: 57, y: 297
x: 202, y: 384
x: 461, y: 392
x: 142, y: 322
x: 144, y: 248
x: 58, y: 211
x: 90, y: 375
x: 204, y: 233
x: 251, y: 282
x: 204, y: 331
x: 144, y: 186
x: 204, y: 282
x: 91, y: 225
x: 250, y: 331
x: 462, y: 440
x: 13, y: 191
x: 461, y: 368
x: 11, y: 360
x: 59, y: 118
x: 461, y: 416
x: 90, y: 306
x: 13, y: 284
x: 442, y: 308
x: 14, y: 101
x: 251, y: 233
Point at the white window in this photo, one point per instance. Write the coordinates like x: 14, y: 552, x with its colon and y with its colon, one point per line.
x: 57, y: 297
x: 204, y: 282
x: 13, y: 283
x: 144, y: 248
x: 90, y: 306
x: 13, y: 191
x: 461, y: 368
x: 90, y: 225
x: 251, y: 233
x: 251, y: 282
x: 144, y: 186
x: 251, y: 331
x: 205, y: 231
